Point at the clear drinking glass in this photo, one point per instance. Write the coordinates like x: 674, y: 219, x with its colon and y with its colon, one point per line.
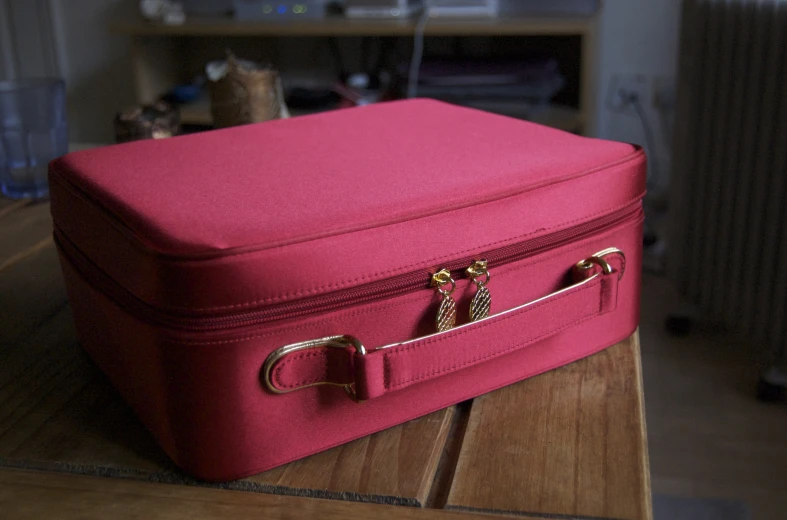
x: 33, y: 131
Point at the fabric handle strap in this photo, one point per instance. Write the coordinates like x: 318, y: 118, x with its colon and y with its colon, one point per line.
x: 344, y: 361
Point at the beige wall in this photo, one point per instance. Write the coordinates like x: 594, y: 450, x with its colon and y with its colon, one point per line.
x: 27, y: 47
x: 635, y: 37
x: 639, y: 37
x: 70, y: 39
x: 95, y: 63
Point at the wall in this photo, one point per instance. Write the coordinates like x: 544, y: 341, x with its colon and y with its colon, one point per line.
x: 638, y: 37
x: 27, y: 46
x: 70, y: 39
x: 95, y: 63
x: 635, y: 37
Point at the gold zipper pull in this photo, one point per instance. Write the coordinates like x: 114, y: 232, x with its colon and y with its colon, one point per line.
x: 446, y: 314
x: 482, y: 301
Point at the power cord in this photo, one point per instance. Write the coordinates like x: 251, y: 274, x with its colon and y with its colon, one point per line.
x: 653, y: 256
x: 650, y: 140
x: 418, y: 54
x: 630, y: 100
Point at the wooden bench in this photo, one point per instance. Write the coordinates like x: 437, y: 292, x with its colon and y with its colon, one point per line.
x: 569, y: 443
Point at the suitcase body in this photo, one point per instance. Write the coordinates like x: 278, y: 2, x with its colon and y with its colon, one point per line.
x: 262, y: 293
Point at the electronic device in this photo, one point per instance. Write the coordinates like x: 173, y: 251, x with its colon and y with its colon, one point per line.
x: 462, y: 8
x: 548, y: 8
x: 382, y: 8
x: 273, y: 10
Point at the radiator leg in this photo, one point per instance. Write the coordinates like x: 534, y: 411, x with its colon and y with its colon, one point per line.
x: 771, y: 386
x: 679, y: 324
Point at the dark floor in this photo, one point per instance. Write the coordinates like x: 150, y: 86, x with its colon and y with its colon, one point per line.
x: 708, y: 436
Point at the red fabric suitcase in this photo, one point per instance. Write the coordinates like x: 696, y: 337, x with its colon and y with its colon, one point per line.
x: 265, y: 292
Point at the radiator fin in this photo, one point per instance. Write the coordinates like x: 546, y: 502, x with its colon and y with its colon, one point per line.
x: 728, y: 200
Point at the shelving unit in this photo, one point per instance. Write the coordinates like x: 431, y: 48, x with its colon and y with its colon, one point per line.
x: 164, y: 55
x: 338, y: 26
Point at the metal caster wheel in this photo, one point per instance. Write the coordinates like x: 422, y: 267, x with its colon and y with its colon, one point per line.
x: 678, y: 325
x: 772, y: 385
x: 769, y: 393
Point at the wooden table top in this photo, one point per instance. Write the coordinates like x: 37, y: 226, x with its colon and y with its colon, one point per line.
x: 569, y: 443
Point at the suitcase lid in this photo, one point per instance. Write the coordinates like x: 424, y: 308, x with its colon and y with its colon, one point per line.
x: 286, y: 184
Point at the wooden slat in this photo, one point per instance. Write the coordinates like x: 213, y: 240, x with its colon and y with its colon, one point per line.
x: 23, y: 231
x: 568, y: 442
x: 555, y: 116
x: 30, y: 495
x: 395, y: 466
x: 8, y: 205
x: 58, y: 412
x: 31, y: 290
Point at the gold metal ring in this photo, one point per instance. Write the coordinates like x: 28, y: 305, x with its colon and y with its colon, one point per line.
x: 445, y: 292
x: 331, y: 341
x: 479, y: 275
x: 441, y: 279
x: 588, y: 263
x: 599, y: 260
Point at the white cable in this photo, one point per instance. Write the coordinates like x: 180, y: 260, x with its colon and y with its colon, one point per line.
x: 418, y: 54
x: 650, y: 142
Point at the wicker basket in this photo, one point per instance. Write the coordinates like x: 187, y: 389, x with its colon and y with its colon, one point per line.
x: 246, y: 94
x: 156, y: 121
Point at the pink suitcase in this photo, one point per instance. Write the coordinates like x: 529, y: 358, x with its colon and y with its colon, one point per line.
x: 265, y: 292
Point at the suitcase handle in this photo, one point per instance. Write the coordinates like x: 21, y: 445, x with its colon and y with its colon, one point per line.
x: 365, y: 374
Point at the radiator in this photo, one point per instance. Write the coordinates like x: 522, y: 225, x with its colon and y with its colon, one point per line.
x: 728, y: 193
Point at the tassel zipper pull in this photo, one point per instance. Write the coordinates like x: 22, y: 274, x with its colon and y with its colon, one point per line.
x: 446, y: 313
x: 482, y: 301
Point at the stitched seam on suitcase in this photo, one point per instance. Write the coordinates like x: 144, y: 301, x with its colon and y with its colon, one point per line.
x: 277, y: 378
x: 322, y: 354
x: 57, y: 169
x: 389, y: 384
x: 369, y: 276
x: 516, y: 267
x: 399, y: 384
x: 421, y: 264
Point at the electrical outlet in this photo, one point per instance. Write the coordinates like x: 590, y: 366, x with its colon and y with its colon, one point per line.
x: 625, y: 86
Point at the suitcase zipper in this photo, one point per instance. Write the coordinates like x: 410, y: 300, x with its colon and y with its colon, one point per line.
x: 383, y: 289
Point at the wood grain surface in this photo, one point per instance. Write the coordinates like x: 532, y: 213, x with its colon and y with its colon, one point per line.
x: 28, y: 495
x: 568, y: 442
x: 395, y: 466
x: 31, y: 286
x: 22, y: 231
x: 8, y: 205
x: 58, y: 412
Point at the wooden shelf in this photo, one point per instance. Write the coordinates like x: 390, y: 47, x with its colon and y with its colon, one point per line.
x: 337, y: 26
x: 197, y: 113
x: 555, y: 116
x: 167, y: 55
